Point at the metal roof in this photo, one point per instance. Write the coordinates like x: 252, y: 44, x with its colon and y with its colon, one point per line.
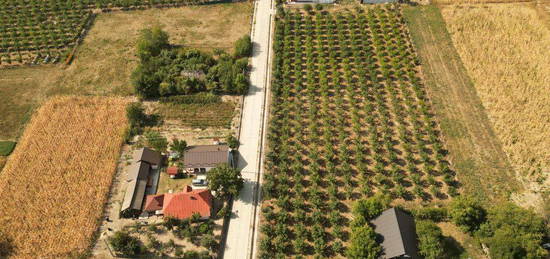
x: 138, y: 175
x: 205, y: 156
x: 399, y: 234
x: 138, y: 170
x: 147, y: 155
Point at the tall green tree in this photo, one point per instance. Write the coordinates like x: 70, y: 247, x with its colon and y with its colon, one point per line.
x: 125, y: 244
x: 363, y: 244
x: 225, y: 181
x: 467, y: 213
x: 151, y: 42
x: 178, y: 145
x: 243, y: 47
x: 430, y: 239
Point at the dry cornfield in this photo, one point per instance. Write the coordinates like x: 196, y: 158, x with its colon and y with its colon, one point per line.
x: 54, y: 185
x: 505, y: 49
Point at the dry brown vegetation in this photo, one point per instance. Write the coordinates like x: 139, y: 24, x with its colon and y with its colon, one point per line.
x: 54, y: 185
x: 106, y: 58
x: 505, y: 51
x: 477, y: 1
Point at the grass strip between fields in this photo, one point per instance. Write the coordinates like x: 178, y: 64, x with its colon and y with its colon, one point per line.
x: 474, y: 150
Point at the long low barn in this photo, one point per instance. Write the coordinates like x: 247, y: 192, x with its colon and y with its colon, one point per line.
x: 139, y: 178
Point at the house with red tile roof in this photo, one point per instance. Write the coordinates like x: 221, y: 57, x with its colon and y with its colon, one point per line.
x: 181, y: 205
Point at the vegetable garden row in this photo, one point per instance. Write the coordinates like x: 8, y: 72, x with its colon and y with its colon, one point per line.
x: 350, y: 119
x: 39, y: 31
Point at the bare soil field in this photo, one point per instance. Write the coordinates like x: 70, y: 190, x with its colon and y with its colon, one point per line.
x: 106, y: 58
x: 54, y: 185
x: 505, y: 49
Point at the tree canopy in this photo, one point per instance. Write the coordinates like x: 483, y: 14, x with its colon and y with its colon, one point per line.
x: 430, y: 239
x: 513, y: 232
x: 151, y: 42
x: 125, y: 244
x: 467, y: 213
x: 165, y: 70
x: 225, y: 180
x: 243, y: 47
x: 363, y: 244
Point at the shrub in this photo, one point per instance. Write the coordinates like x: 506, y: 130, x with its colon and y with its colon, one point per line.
x: 243, y: 47
x: 430, y: 239
x: 125, y: 244
x: 232, y: 142
x: 467, y: 213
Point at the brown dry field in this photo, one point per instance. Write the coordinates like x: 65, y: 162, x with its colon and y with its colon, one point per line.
x: 54, y: 185
x: 505, y: 50
x: 106, y: 58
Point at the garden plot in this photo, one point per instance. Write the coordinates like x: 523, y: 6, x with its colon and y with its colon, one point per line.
x: 350, y: 119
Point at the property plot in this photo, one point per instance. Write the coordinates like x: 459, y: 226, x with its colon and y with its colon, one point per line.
x: 39, y: 32
x: 54, y: 186
x: 350, y: 118
x: 106, y: 58
x: 505, y: 51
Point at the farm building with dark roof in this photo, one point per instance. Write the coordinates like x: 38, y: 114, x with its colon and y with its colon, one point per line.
x: 398, y: 231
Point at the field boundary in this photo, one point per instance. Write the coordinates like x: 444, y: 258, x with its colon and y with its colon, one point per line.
x: 474, y: 149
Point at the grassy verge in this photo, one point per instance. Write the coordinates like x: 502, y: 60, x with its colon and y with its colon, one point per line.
x: 474, y: 150
x: 6, y: 147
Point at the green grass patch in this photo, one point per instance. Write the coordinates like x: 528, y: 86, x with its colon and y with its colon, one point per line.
x: 217, y: 115
x: 6, y: 147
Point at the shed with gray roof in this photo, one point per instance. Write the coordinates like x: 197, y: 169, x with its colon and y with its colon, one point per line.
x: 398, y: 231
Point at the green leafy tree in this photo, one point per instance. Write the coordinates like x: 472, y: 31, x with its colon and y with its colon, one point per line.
x: 225, y: 180
x: 513, y: 232
x: 243, y: 47
x: 467, y: 213
x: 151, y: 42
x: 125, y: 244
x: 232, y: 142
x: 135, y: 112
x: 370, y: 208
x: 178, y: 145
x: 430, y: 239
x: 363, y: 244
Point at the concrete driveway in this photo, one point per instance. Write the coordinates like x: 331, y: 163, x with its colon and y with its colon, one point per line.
x: 241, y: 231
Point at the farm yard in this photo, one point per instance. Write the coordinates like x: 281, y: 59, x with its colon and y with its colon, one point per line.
x: 50, y: 204
x: 106, y: 58
x: 41, y: 32
x: 350, y: 118
x: 510, y: 68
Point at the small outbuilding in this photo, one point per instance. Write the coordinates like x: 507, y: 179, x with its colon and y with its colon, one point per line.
x: 172, y: 171
x: 398, y: 231
x: 149, y: 156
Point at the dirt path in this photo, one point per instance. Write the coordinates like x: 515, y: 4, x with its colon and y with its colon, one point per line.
x: 474, y: 150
